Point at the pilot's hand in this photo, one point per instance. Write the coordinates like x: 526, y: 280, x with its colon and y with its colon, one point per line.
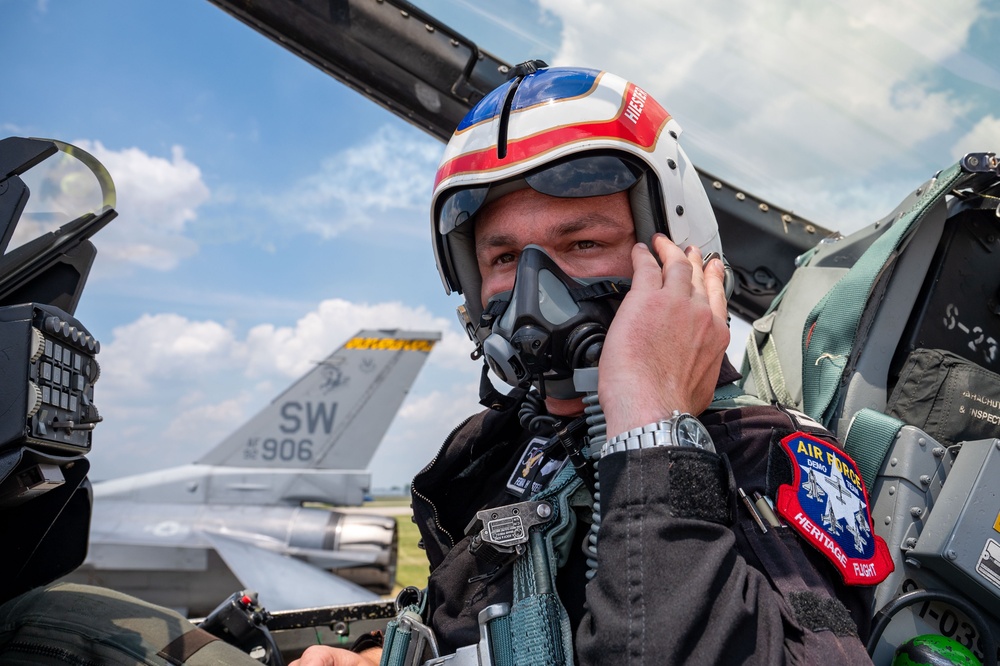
x: 666, y: 343
x: 323, y: 655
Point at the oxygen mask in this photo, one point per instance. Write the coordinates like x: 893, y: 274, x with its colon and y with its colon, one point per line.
x: 549, y: 324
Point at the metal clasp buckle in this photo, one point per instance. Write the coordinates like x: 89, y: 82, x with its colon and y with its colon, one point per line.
x: 981, y: 163
x: 478, y: 654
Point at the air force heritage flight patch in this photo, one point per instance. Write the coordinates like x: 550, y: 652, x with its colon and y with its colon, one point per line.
x: 827, y: 504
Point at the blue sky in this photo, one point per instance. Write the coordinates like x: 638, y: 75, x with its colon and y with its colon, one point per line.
x: 267, y: 212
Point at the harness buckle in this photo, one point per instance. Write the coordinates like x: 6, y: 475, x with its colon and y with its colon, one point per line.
x: 506, y: 527
x: 505, y: 530
x: 421, y: 637
x: 477, y: 654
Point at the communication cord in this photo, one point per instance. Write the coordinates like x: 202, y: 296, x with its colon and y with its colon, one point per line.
x: 597, y: 434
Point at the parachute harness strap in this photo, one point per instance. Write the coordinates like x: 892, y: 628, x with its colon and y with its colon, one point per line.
x: 869, y: 437
x: 406, y: 637
x: 540, y: 629
x: 832, y: 326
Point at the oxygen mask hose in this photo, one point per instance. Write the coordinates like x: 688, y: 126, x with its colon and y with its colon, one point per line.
x: 533, y: 417
x: 597, y: 433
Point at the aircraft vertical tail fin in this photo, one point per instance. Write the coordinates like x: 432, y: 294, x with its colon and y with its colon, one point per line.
x: 334, y: 416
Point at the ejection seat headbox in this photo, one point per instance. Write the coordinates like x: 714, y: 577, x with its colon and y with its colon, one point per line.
x: 53, y: 198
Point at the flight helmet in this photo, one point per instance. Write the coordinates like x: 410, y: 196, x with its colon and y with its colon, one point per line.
x: 565, y: 132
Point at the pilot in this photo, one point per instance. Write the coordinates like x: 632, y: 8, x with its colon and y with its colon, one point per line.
x: 579, y: 234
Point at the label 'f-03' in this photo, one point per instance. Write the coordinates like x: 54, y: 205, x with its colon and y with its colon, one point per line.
x: 828, y: 506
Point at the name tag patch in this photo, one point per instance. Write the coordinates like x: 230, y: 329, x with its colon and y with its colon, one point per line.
x: 535, y: 469
x: 828, y: 506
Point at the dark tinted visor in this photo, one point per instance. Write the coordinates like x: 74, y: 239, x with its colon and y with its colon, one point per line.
x: 590, y: 176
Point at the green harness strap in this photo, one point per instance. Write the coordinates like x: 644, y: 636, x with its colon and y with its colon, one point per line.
x: 536, y: 631
x: 761, y: 354
x: 831, y: 328
x: 869, y: 437
x: 540, y: 630
x: 399, y: 634
x: 761, y: 358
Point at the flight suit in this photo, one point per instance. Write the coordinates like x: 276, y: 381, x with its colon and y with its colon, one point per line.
x: 684, y: 573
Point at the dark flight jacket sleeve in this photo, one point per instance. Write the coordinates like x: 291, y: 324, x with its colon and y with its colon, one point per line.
x: 685, y: 577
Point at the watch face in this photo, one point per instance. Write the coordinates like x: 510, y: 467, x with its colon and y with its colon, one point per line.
x: 690, y: 432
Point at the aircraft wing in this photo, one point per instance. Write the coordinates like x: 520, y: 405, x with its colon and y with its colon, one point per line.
x: 412, y: 64
x: 284, y: 583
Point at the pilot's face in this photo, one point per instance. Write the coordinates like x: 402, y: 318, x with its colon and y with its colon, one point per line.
x: 587, y: 237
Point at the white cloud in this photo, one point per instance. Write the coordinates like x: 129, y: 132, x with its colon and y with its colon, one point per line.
x: 786, y: 88
x: 157, y: 199
x: 290, y: 351
x: 389, y: 172
x: 423, y: 423
x: 175, y: 387
x: 164, y: 347
x: 207, y: 421
x: 983, y: 137
x: 920, y: 25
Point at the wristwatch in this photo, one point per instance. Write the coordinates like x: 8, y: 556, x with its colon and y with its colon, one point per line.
x: 682, y: 430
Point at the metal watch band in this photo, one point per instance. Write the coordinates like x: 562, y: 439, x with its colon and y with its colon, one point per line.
x: 659, y: 433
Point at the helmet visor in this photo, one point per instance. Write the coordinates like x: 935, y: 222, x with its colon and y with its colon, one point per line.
x: 590, y: 176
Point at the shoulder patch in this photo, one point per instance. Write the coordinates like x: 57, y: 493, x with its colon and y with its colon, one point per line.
x: 827, y: 505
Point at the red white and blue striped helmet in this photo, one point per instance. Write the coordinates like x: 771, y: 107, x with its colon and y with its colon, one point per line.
x: 566, y: 132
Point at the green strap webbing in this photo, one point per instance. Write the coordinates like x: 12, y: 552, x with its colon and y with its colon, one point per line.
x: 396, y: 641
x: 765, y: 367
x: 762, y: 357
x: 540, y: 630
x: 731, y: 396
x: 868, y: 440
x: 832, y: 326
x: 754, y: 362
x: 501, y: 641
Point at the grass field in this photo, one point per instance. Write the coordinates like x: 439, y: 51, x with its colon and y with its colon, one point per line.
x: 412, y: 566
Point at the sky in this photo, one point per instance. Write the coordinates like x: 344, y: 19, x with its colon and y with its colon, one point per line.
x: 267, y: 212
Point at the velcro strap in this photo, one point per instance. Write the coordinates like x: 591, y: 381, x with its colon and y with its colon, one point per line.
x: 691, y: 483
